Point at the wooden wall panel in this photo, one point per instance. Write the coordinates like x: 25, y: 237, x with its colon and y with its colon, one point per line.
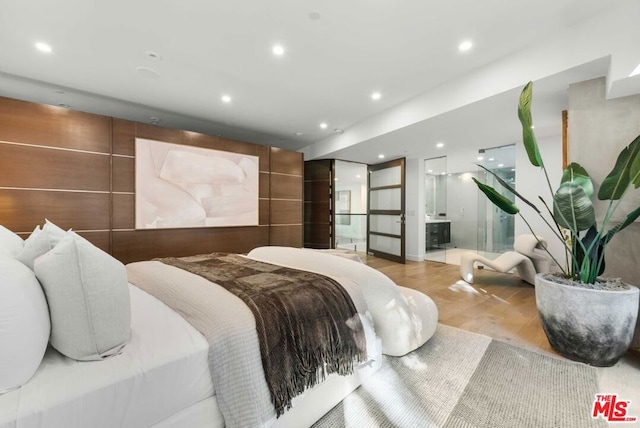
x: 286, y: 187
x: 287, y: 170
x: 317, y: 191
x: 286, y: 236
x: 264, y: 180
x: 158, y: 133
x: 124, y: 136
x: 22, y: 210
x: 318, y: 170
x: 318, y: 221
x: 287, y: 162
x: 45, y: 125
x: 315, y: 236
x: 123, y: 174
x: 286, y: 212
x: 317, y: 212
x: 123, y: 211
x: 106, y: 210
x: 129, y: 246
x: 265, y: 212
x: 44, y: 168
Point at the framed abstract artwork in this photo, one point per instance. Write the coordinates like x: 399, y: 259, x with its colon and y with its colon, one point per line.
x: 185, y: 186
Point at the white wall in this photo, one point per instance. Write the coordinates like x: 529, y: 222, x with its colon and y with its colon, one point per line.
x: 598, y: 130
x: 530, y: 182
x: 414, y: 200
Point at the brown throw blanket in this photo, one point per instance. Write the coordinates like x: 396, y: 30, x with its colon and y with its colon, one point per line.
x: 307, y: 324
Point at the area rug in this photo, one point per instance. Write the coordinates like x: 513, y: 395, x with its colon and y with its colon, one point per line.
x: 462, y: 379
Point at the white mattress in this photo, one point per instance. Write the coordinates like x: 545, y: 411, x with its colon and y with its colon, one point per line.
x: 162, y: 371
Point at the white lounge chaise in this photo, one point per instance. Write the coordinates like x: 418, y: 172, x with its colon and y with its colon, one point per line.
x: 526, y: 259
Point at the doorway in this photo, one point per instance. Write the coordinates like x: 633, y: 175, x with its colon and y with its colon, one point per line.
x: 437, y: 224
x: 386, y: 218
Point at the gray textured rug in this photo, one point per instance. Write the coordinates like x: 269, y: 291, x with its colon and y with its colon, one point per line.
x: 461, y: 379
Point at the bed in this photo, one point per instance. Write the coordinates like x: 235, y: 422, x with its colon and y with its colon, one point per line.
x: 162, y: 377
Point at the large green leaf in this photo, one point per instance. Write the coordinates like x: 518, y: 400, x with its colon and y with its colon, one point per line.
x: 575, y: 173
x: 594, y: 250
x: 635, y: 169
x: 528, y: 136
x: 631, y: 217
x: 615, y: 184
x: 499, y: 200
x: 509, y: 188
x: 572, y: 208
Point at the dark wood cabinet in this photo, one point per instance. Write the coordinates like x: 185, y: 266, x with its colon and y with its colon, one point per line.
x: 437, y: 234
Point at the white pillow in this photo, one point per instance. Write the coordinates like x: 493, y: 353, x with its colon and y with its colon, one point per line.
x: 39, y: 242
x: 10, y: 243
x: 88, y: 297
x: 24, y: 324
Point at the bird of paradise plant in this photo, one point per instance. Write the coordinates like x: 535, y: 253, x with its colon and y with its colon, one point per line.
x: 573, y: 208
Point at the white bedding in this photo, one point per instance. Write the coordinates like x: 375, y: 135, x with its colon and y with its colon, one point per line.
x: 162, y: 378
x: 228, y: 323
x: 162, y: 371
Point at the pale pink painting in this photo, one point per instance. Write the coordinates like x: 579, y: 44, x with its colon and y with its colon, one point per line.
x: 186, y: 186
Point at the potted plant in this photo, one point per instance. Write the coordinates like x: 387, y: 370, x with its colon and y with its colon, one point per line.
x: 586, y: 318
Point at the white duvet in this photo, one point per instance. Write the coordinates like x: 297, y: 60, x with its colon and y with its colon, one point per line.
x: 403, y: 318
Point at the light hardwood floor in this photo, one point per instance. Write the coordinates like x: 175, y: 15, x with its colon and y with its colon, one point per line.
x: 498, y: 305
x: 503, y: 307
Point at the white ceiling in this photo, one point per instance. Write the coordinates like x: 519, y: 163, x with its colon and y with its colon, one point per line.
x: 208, y: 48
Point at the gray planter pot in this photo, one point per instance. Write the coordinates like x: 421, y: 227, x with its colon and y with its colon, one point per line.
x: 590, y: 326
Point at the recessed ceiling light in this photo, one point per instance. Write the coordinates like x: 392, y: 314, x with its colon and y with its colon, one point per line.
x: 278, y: 50
x: 358, y: 176
x: 465, y: 45
x: 226, y: 99
x: 480, y: 158
x: 380, y: 156
x: 500, y: 165
x: 376, y: 96
x: 430, y: 170
x: 491, y: 159
x: 299, y: 134
x: 153, y: 55
x: 43, y: 47
x: 323, y: 125
x: 440, y: 145
x: 443, y: 173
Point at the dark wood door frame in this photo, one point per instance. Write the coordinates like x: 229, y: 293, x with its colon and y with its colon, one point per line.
x: 401, y: 212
